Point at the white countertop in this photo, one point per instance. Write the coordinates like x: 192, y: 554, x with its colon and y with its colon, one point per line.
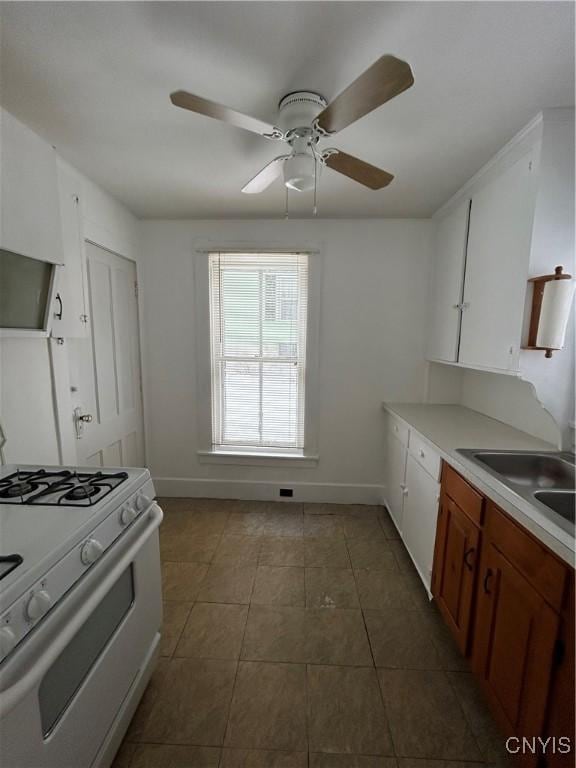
x: 448, y: 427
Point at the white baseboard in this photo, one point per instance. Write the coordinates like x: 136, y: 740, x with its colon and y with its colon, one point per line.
x: 248, y: 490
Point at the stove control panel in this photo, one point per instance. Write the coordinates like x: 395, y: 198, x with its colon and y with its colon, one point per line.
x: 91, y: 551
x: 30, y: 608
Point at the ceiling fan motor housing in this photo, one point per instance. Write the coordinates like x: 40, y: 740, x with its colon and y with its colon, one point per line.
x: 299, y: 109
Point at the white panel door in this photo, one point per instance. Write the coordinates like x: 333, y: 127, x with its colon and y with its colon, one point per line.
x: 419, y: 517
x: 497, y: 268
x: 447, y: 284
x: 109, y: 365
x: 395, y: 475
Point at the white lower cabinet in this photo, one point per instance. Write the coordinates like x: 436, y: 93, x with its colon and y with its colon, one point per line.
x: 412, y: 492
x: 395, y: 476
x: 419, y: 516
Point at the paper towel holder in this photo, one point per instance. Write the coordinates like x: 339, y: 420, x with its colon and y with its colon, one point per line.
x: 537, y: 296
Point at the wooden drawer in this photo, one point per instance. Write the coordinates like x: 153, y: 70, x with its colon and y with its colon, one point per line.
x: 399, y: 429
x: 425, y: 455
x: 470, y: 501
x: 537, y: 564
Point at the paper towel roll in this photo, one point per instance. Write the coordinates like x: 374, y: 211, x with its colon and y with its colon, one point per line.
x: 554, y: 313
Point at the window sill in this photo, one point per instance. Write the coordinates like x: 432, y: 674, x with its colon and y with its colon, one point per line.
x: 257, y: 459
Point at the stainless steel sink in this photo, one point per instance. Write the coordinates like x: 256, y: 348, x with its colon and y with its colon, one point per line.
x: 562, y: 502
x: 530, y: 469
x: 546, y: 480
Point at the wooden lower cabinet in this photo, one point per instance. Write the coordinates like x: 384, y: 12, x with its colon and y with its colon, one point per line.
x: 509, y: 603
x: 454, y: 574
x: 514, y: 645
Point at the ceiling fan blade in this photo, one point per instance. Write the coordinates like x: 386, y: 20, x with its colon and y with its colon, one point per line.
x: 364, y: 173
x: 265, y: 177
x: 202, y: 106
x: 385, y: 79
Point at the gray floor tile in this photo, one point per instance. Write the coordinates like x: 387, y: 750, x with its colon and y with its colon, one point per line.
x: 381, y: 589
x: 328, y: 553
x: 314, y: 636
x: 324, y: 760
x: 371, y: 554
x: 175, y: 615
x: 268, y: 708
x: 323, y: 527
x: 136, y: 728
x: 262, y: 758
x: 425, y: 716
x: 213, y: 631
x: 197, y: 548
x: 331, y: 588
x: 192, y: 703
x: 245, y: 524
x: 345, y: 712
x: 279, y: 585
x: 363, y: 528
x: 283, y: 524
x: 410, y: 762
x: 237, y: 550
x: 489, y: 738
x: 172, y: 756
x: 227, y: 584
x: 281, y: 551
x: 399, y: 638
x: 181, y: 581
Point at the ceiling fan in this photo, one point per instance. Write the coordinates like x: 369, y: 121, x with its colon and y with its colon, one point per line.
x: 305, y: 118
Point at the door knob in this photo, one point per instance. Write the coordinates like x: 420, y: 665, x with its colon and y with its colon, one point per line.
x: 80, y: 419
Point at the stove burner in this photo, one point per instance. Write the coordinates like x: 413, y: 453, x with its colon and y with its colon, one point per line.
x: 18, y: 489
x: 58, y: 487
x: 82, y: 492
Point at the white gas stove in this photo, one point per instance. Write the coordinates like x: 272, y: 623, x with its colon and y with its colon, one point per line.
x: 80, y: 609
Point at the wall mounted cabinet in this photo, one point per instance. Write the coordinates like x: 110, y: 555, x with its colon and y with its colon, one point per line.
x: 480, y: 272
x: 73, y: 308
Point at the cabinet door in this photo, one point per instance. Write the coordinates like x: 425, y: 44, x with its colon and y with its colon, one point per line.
x: 497, y: 261
x: 73, y: 322
x: 514, y: 643
x: 395, y: 477
x: 447, y: 284
x: 455, y: 565
x: 419, y: 516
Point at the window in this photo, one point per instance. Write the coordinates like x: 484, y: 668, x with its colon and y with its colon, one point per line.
x: 258, y: 324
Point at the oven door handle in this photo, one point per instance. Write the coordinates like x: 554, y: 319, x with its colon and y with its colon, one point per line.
x: 15, y: 693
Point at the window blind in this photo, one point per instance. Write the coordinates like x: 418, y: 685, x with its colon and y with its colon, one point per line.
x: 258, y: 315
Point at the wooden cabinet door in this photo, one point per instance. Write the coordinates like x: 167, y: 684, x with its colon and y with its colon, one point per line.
x: 395, y: 477
x: 455, y: 565
x: 514, y: 645
x: 419, y: 517
x: 447, y: 284
x: 497, y: 261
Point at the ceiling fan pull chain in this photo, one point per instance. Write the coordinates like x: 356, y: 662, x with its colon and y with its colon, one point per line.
x: 315, y: 208
x: 286, y: 209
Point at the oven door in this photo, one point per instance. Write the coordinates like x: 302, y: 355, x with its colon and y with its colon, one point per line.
x: 61, y: 693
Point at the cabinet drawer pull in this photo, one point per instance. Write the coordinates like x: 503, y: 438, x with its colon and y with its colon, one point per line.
x: 487, y: 581
x: 467, y: 555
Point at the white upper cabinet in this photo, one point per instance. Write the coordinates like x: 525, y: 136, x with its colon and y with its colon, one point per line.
x: 497, y: 262
x: 72, y: 318
x: 447, y: 282
x: 481, y: 265
x: 29, y: 209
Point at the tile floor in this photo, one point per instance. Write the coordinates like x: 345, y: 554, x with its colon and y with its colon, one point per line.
x: 300, y: 636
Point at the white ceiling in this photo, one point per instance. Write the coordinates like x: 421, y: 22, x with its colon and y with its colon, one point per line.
x: 94, y: 79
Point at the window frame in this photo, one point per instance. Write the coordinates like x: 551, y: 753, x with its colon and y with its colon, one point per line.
x: 308, y: 457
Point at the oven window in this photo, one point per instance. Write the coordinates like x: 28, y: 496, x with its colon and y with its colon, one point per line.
x: 67, y: 673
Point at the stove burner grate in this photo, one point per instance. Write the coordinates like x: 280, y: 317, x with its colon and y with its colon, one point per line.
x: 58, y: 488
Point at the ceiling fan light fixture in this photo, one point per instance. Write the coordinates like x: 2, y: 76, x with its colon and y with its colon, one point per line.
x: 299, y: 172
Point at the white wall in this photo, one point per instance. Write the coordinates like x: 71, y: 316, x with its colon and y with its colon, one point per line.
x: 371, y: 345
x: 553, y: 244
x: 30, y: 224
